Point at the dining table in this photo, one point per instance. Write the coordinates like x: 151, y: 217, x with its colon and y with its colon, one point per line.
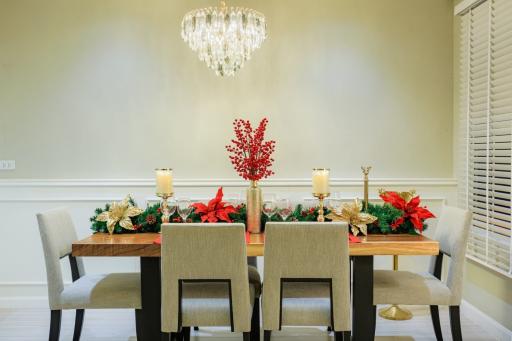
x: 362, y: 255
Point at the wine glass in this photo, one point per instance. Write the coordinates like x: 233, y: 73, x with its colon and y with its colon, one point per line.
x: 233, y: 200
x: 184, y: 208
x: 334, y: 202
x: 171, y: 206
x: 309, y: 203
x: 269, y: 208
x: 284, y: 208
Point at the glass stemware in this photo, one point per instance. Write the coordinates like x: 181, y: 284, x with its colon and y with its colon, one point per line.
x: 184, y: 208
x: 334, y: 202
x: 309, y: 203
x: 269, y: 208
x: 284, y: 208
x: 171, y: 206
x: 233, y: 200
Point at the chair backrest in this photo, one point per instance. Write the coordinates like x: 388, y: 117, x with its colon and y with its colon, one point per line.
x: 306, y: 251
x: 204, y: 252
x: 57, y: 234
x: 452, y: 233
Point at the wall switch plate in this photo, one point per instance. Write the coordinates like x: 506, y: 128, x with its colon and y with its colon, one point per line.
x: 7, y: 164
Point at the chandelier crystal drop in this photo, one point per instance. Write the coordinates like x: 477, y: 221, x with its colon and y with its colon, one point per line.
x: 224, y: 37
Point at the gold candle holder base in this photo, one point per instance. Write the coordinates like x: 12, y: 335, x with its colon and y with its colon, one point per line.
x: 164, y: 207
x: 395, y: 312
x: 321, y: 197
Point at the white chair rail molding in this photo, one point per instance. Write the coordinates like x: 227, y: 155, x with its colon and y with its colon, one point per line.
x: 264, y: 170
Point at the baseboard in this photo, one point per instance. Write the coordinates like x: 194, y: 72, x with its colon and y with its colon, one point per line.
x: 486, y: 321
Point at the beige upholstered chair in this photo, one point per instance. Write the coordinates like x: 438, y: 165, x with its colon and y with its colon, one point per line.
x: 205, y: 280
x: 116, y: 290
x: 404, y: 287
x: 306, y: 277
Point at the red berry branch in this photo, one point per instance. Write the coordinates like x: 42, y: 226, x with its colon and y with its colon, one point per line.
x: 249, y: 153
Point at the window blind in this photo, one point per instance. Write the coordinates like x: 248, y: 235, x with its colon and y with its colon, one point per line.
x: 485, y: 130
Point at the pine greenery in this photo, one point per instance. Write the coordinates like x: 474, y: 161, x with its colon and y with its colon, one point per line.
x: 151, y: 219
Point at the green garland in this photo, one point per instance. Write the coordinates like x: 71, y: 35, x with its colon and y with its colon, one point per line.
x: 386, y: 215
x: 151, y: 219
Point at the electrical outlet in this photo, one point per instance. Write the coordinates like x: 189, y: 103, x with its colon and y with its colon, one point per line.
x: 7, y: 164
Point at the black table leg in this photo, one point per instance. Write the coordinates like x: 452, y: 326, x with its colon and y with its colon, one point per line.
x: 363, y: 314
x: 252, y: 261
x: 150, y: 294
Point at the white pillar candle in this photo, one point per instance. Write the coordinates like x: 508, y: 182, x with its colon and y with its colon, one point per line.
x: 164, y: 181
x: 320, y: 181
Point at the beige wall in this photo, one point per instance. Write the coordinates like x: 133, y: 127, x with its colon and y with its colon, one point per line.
x: 107, y: 89
x: 484, y: 288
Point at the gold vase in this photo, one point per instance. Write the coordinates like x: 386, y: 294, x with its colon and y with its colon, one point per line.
x: 254, y: 208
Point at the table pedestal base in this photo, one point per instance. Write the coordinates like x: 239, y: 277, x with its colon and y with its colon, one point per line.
x: 363, y: 310
x: 151, y: 298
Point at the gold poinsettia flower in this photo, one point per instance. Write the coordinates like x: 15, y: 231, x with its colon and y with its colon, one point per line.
x: 350, y: 212
x: 120, y: 212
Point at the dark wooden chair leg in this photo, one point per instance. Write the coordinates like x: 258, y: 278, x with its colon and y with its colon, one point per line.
x: 247, y: 336
x: 434, y: 313
x: 55, y: 318
x: 138, y: 324
x: 346, y: 335
x: 455, y: 323
x: 266, y: 335
x: 255, y: 321
x: 165, y: 336
x: 79, y: 321
x: 185, y: 331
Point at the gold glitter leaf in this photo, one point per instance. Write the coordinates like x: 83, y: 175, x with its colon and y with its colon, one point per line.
x: 350, y: 212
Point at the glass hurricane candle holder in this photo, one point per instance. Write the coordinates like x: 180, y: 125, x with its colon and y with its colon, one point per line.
x: 321, y: 189
x: 165, y: 190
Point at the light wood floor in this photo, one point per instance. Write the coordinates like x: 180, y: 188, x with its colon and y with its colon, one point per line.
x: 118, y: 325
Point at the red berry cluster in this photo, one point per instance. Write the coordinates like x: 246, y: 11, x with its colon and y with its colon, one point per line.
x: 250, y: 154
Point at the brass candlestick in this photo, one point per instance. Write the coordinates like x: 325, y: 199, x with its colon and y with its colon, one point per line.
x: 366, y: 171
x: 395, y: 312
x: 164, y: 206
x: 321, y: 197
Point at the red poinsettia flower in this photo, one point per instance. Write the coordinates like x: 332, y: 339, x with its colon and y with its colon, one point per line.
x: 411, y: 210
x: 215, y: 211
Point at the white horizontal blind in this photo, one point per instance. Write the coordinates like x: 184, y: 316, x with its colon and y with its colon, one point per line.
x: 486, y: 130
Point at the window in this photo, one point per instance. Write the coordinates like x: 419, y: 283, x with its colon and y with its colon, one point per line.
x: 485, y: 130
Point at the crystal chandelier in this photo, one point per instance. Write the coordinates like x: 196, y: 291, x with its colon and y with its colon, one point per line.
x: 224, y: 37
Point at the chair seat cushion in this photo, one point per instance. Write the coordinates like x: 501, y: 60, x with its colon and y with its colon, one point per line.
x: 207, y: 304
x: 104, y: 291
x: 405, y: 287
x: 306, y: 304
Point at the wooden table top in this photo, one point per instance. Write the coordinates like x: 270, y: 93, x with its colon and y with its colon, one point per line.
x: 142, y: 245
